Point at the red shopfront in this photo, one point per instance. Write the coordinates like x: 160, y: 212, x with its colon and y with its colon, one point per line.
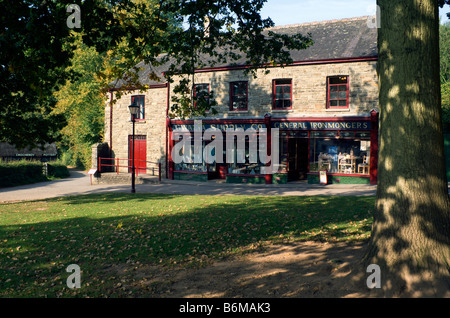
x: 345, y: 147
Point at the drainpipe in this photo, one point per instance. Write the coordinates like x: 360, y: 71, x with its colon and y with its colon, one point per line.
x: 167, y: 129
x: 110, y: 121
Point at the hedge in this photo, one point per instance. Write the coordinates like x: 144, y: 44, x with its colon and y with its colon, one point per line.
x: 24, y: 172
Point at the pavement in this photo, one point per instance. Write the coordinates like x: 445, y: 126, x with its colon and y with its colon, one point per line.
x: 79, y: 183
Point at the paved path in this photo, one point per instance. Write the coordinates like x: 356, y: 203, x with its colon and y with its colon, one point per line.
x: 79, y: 183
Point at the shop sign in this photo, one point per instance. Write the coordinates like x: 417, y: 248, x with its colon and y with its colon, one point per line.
x: 222, y: 127
x: 311, y: 125
x: 323, y: 177
x: 192, y: 148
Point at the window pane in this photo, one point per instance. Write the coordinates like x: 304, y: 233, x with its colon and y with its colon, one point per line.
x: 139, y: 100
x: 287, y: 89
x: 237, y: 89
x: 346, y: 134
x: 342, y: 103
x: 201, y: 89
x: 333, y: 88
x: 239, y: 102
x: 282, y: 93
x: 339, y: 155
x: 342, y: 95
x: 239, y: 95
x: 333, y: 103
x: 342, y: 88
x: 333, y: 95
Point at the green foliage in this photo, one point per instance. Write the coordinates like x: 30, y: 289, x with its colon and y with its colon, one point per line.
x: 35, y: 50
x: 82, y: 102
x: 218, y: 33
x: 57, y: 170
x: 37, y: 47
x: 187, y: 104
x: 444, y: 46
x: 445, y: 93
x: 22, y: 172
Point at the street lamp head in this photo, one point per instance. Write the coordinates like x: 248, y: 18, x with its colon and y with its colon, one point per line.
x: 134, y: 109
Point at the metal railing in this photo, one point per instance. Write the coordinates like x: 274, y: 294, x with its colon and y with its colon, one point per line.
x: 116, y: 163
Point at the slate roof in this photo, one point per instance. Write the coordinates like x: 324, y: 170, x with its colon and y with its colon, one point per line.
x: 346, y: 38
x: 333, y: 39
x: 8, y: 150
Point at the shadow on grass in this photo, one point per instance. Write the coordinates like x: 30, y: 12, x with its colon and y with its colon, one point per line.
x: 100, y: 232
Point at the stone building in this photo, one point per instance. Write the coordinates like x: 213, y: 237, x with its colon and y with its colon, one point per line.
x: 9, y: 152
x: 324, y: 107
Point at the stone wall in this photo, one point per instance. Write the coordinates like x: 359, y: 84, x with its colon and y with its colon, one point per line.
x: 308, y: 85
x: 100, y: 150
x: 309, y: 100
x: 153, y: 126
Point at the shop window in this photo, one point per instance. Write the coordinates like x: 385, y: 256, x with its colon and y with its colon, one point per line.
x: 186, y: 160
x: 243, y: 158
x: 139, y: 100
x: 238, y: 95
x: 337, y: 92
x: 282, y: 94
x: 347, y: 155
x: 201, y: 93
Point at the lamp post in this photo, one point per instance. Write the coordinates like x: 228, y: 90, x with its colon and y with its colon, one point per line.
x: 134, y: 109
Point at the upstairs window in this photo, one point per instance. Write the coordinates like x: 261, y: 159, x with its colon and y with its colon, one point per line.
x: 139, y: 100
x: 238, y: 95
x: 337, y: 92
x: 201, y: 91
x: 282, y: 94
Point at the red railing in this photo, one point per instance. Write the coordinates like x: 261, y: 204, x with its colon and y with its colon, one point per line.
x: 115, y: 162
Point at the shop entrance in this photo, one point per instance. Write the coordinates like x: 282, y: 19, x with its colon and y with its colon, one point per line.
x: 297, y: 158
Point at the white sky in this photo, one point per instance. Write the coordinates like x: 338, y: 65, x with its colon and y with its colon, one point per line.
x: 284, y: 12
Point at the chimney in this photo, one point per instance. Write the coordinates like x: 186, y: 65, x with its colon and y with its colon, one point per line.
x: 206, y: 26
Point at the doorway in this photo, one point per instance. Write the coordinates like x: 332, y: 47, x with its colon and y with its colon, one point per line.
x: 297, y: 158
x: 140, y: 153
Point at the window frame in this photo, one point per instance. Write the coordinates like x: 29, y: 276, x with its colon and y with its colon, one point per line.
x: 274, y: 99
x: 347, y: 86
x: 232, y: 96
x: 141, y: 107
x: 195, y: 92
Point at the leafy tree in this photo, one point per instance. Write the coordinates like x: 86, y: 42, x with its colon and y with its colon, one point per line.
x: 410, y: 238
x: 32, y: 63
x: 81, y: 101
x: 444, y: 45
x: 37, y: 48
x: 445, y: 91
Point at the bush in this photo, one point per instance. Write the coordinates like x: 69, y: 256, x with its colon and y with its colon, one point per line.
x: 24, y: 172
x: 57, y: 170
x: 20, y: 172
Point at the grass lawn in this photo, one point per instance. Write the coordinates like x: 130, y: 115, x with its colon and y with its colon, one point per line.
x: 39, y: 239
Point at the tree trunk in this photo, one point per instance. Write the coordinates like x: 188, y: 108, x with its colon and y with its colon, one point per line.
x: 411, y: 232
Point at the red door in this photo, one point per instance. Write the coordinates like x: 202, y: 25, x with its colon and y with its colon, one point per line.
x: 140, y: 153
